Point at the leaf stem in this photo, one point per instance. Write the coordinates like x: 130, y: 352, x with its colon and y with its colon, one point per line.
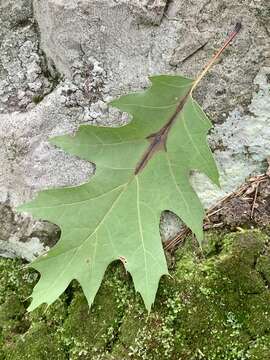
x: 211, y: 62
x: 158, y: 139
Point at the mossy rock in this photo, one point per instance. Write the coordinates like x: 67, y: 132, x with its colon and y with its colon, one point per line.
x: 91, y: 332
x: 40, y: 342
x: 215, y: 306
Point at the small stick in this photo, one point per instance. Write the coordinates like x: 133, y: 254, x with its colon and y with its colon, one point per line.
x: 214, y: 212
x: 254, y: 200
x: 194, y: 52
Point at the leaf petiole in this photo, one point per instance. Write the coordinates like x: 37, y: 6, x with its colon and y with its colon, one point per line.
x: 216, y: 56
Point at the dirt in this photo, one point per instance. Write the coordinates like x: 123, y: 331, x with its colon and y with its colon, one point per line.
x: 247, y: 207
x: 250, y: 208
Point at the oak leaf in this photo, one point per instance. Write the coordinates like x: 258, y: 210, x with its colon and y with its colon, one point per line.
x: 142, y: 168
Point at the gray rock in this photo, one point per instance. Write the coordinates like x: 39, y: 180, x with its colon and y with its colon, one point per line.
x: 61, y: 61
x: 23, y: 74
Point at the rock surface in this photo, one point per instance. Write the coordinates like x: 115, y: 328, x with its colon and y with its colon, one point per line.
x: 62, y: 61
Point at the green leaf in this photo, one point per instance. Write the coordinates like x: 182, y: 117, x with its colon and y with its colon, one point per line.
x: 141, y: 169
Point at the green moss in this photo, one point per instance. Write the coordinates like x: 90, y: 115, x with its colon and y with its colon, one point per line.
x: 213, y: 243
x: 39, y: 343
x: 15, y: 286
x: 263, y: 266
x: 259, y: 348
x: 15, y: 276
x: 12, y: 319
x: 88, y: 333
x: 18, y: 339
x: 215, y: 306
x: 246, y: 244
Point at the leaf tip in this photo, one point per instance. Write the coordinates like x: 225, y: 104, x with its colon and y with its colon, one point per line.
x: 22, y: 208
x: 113, y: 103
x: 32, y: 306
x: 55, y: 140
x: 216, y: 178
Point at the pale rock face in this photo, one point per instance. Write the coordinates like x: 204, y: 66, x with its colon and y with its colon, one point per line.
x: 61, y: 61
x: 245, y: 137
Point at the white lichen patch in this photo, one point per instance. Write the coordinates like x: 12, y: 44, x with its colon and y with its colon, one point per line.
x: 26, y: 250
x: 245, y: 141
